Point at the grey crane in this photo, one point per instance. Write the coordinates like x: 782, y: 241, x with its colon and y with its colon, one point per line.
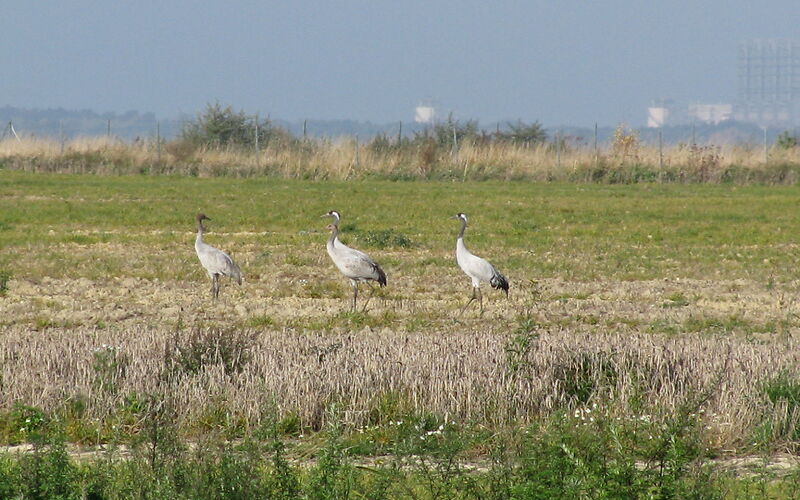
x: 355, y: 265
x: 216, y: 262
x: 478, y: 269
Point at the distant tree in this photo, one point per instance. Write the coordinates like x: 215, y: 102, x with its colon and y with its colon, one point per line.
x: 443, y: 132
x: 527, y: 134
x: 786, y: 140
x: 222, y: 126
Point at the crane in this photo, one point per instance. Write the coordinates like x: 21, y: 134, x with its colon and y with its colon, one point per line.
x: 355, y: 265
x: 479, y: 270
x: 216, y: 262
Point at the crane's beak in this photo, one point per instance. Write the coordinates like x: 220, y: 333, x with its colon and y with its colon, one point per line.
x: 455, y: 217
x: 325, y: 215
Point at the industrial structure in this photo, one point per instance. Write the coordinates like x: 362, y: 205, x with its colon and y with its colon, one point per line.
x: 769, y: 82
x: 768, y: 91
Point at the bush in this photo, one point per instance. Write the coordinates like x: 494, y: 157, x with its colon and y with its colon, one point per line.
x: 207, y: 347
x: 786, y: 141
x: 48, y: 473
x: 526, y: 134
x: 224, y: 127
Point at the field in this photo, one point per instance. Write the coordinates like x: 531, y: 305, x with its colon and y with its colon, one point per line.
x: 646, y: 315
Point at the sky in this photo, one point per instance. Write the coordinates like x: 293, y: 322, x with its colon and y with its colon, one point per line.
x: 559, y: 62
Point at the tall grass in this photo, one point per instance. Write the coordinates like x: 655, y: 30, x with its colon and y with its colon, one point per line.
x: 226, y: 378
x: 345, y: 158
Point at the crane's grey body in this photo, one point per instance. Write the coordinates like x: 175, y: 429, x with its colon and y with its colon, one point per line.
x: 216, y: 262
x: 479, y: 270
x: 353, y: 264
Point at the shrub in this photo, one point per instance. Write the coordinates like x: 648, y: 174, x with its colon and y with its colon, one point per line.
x: 526, y: 134
x: 625, y: 145
x: 786, y: 140
x: 207, y: 347
x: 48, y: 473
x: 222, y: 126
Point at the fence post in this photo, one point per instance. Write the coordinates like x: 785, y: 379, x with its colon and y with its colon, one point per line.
x: 660, y: 156
x: 256, y: 138
x: 108, y: 129
x: 558, y: 149
x: 158, y: 141
x: 304, y: 129
x: 400, y: 134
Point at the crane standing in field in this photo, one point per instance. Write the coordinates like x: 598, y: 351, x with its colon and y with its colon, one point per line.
x: 355, y: 265
x: 216, y: 262
x: 478, y: 269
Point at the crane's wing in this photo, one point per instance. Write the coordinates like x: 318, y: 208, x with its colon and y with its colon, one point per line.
x: 355, y: 264
x: 216, y: 261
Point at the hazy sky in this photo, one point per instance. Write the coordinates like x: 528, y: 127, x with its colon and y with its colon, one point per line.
x: 560, y: 62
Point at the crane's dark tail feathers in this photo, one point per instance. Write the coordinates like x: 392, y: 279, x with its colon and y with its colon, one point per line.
x: 500, y: 282
x: 381, y: 276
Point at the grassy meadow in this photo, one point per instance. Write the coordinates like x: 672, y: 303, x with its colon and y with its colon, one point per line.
x: 647, y: 343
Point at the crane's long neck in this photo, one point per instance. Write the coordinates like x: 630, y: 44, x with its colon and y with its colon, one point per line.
x: 463, y: 228
x: 334, y: 235
x: 200, y: 231
x: 460, y: 248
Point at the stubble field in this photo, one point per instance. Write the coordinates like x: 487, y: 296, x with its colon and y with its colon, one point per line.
x: 635, y: 302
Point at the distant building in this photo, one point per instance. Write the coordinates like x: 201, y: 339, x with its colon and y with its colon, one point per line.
x: 710, y: 113
x: 660, y: 113
x: 424, y: 113
x: 664, y: 112
x: 769, y: 82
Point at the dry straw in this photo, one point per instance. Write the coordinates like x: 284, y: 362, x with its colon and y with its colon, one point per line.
x: 477, y: 376
x: 346, y: 158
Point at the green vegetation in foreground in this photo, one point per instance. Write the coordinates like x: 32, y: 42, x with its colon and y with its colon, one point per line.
x: 571, y: 231
x: 569, y: 456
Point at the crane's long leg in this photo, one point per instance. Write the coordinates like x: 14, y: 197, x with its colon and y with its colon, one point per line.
x: 480, y: 300
x: 468, y: 303
x: 371, y: 293
x: 354, y: 284
x: 215, y: 286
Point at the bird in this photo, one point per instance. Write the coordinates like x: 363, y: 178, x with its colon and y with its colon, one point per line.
x: 355, y: 265
x: 216, y: 262
x: 478, y: 269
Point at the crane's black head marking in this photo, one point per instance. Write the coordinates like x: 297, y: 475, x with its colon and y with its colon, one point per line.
x: 334, y: 214
x: 461, y: 216
x: 202, y: 216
